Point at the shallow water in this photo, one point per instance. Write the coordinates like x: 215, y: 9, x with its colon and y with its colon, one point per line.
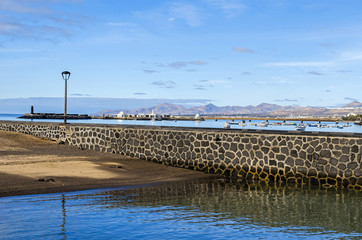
x: 202, y: 209
x: 329, y: 126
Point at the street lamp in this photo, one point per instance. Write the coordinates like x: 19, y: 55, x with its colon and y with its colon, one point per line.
x: 65, y: 76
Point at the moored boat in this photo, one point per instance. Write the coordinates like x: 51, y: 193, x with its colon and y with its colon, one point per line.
x: 227, y: 125
x: 300, y: 127
x: 262, y: 124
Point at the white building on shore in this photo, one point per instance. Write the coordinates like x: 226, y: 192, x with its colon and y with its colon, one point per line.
x: 121, y: 114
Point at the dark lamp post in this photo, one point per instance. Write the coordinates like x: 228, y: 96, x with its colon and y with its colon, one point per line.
x: 65, y: 76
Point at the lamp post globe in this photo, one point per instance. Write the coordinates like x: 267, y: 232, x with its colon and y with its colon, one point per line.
x: 65, y: 75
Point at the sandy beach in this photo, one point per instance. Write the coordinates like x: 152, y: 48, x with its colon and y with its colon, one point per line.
x: 29, y: 165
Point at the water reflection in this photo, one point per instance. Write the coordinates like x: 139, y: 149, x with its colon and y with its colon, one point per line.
x: 257, y: 203
x: 199, y: 209
x: 62, y: 231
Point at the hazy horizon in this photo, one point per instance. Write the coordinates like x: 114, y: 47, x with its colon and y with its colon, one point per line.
x: 88, y: 105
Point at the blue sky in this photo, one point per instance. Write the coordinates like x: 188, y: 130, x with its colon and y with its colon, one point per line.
x: 234, y: 52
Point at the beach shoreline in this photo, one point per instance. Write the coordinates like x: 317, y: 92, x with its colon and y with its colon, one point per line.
x: 29, y: 165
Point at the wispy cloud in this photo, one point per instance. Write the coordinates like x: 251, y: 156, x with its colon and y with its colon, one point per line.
x: 281, y: 80
x: 286, y: 100
x: 139, y: 93
x: 230, y: 8
x: 199, y: 87
x: 274, y: 81
x: 122, y: 24
x: 243, y: 50
x: 37, y: 20
x: 164, y: 84
x: 351, y: 56
x: 182, y: 64
x: 344, y: 71
x: 351, y: 99
x: 128, y: 31
x: 297, y: 64
x: 160, y: 65
x: 315, y: 73
x: 8, y: 27
x: 214, y: 82
x: 187, y: 12
x: 343, y: 57
x: 260, y: 82
x: 80, y: 95
x: 206, y: 84
x: 21, y: 6
x: 328, y: 45
x: 150, y: 71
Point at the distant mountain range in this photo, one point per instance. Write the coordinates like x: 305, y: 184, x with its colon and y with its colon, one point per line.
x: 353, y: 104
x: 262, y: 110
x: 89, y: 105
x: 84, y: 104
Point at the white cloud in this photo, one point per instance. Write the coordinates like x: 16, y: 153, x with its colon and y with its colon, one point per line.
x: 205, y: 84
x: 351, y: 99
x: 280, y: 80
x: 286, y: 100
x: 21, y: 6
x: 346, y: 56
x: 297, y: 64
x: 6, y: 27
x: 260, y: 83
x: 17, y: 50
x: 191, y: 14
x: 80, y: 95
x: 243, y: 50
x: 216, y: 81
x: 181, y: 64
x: 122, y: 24
x: 199, y: 87
x: 315, y: 73
x: 351, y: 56
x: 230, y: 8
x: 164, y: 84
x: 37, y: 19
x: 150, y: 71
x: 274, y: 81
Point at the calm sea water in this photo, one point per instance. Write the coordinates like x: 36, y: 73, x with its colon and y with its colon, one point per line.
x: 198, y: 209
x: 329, y: 126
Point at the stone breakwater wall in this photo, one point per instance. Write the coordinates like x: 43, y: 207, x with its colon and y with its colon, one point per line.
x: 325, y: 159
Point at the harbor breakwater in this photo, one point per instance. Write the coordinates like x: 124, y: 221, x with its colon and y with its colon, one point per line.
x: 324, y: 159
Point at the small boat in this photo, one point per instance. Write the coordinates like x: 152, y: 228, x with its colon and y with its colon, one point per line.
x: 262, y: 124
x: 227, y: 125
x: 300, y: 127
x: 289, y: 123
x: 358, y: 122
x: 313, y: 125
x: 243, y: 124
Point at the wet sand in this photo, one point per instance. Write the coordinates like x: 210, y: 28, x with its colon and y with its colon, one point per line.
x: 29, y: 165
